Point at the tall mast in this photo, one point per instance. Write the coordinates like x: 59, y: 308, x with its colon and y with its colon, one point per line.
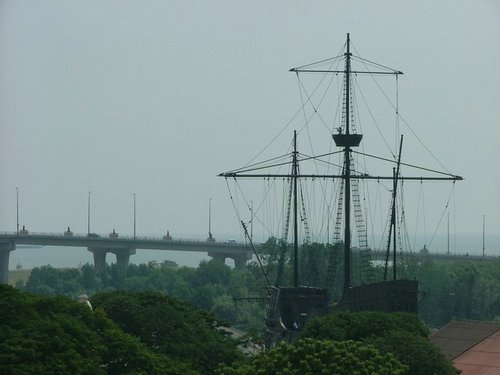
x: 295, y: 224
x: 347, y: 168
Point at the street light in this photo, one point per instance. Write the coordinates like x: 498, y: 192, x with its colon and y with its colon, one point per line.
x: 448, y: 241
x: 134, y: 214
x: 88, y: 214
x: 210, y: 237
x: 17, y: 210
x: 483, y: 233
x: 209, y: 218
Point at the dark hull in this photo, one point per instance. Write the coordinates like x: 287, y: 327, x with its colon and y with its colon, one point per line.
x: 288, y: 309
x: 385, y: 296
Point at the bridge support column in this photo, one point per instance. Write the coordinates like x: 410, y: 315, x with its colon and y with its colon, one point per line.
x: 123, y: 256
x: 240, y: 261
x: 217, y: 256
x: 99, y: 257
x: 5, y: 249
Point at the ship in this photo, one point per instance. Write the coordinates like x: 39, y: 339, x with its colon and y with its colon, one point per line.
x: 291, y: 304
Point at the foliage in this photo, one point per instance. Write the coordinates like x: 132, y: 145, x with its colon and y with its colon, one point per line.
x: 50, y: 281
x: 361, y: 325
x: 447, y: 290
x: 56, y: 335
x: 416, y: 351
x: 456, y: 290
x: 402, y: 334
x: 311, y: 357
x: 171, y: 327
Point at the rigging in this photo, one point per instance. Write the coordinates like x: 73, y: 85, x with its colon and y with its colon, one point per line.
x: 288, y: 306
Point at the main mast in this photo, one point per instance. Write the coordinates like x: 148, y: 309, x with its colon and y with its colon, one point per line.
x: 347, y: 169
x: 347, y: 141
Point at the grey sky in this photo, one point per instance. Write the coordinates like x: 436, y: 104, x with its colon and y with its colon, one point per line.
x: 155, y: 98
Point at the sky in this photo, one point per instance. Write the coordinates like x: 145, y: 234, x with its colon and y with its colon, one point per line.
x: 156, y: 98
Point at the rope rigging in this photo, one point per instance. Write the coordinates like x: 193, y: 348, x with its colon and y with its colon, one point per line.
x: 309, y: 212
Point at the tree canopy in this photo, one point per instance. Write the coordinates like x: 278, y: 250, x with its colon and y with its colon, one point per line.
x: 312, y: 357
x: 56, y: 335
x: 401, y: 334
x: 463, y: 290
x: 169, y: 326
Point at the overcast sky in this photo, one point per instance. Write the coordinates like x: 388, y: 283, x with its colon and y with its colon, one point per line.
x: 158, y: 97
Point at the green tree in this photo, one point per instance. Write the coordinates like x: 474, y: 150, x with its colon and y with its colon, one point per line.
x: 361, y: 325
x: 401, y: 334
x: 416, y: 351
x: 312, y: 357
x: 56, y: 335
x: 212, y: 272
x: 170, y: 326
x: 88, y: 278
x: 51, y: 281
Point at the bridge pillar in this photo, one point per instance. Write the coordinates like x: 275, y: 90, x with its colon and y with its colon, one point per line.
x: 5, y: 249
x: 217, y: 256
x: 240, y: 261
x: 99, y: 257
x: 123, y: 256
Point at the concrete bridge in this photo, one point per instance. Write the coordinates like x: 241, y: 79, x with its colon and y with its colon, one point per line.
x: 122, y: 247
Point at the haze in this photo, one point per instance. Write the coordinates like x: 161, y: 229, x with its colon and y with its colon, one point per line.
x: 156, y: 98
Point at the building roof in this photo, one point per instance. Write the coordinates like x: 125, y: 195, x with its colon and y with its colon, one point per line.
x: 474, y: 347
x: 481, y: 359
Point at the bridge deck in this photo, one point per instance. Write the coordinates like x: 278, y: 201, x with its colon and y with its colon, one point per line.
x: 53, y: 239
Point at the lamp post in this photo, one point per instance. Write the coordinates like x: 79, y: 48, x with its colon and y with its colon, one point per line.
x: 88, y: 214
x: 17, y: 210
x: 210, y: 237
x: 448, y: 238
x: 210, y: 218
x: 133, y: 195
x: 483, y: 233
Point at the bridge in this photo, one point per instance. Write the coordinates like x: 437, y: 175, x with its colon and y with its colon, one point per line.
x: 122, y: 247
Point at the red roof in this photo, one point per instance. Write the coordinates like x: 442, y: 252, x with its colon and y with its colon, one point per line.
x: 474, y: 347
x: 481, y: 359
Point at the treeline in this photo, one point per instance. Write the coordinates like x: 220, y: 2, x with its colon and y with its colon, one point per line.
x: 212, y: 286
x: 125, y: 333
x: 151, y: 333
x: 447, y: 290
